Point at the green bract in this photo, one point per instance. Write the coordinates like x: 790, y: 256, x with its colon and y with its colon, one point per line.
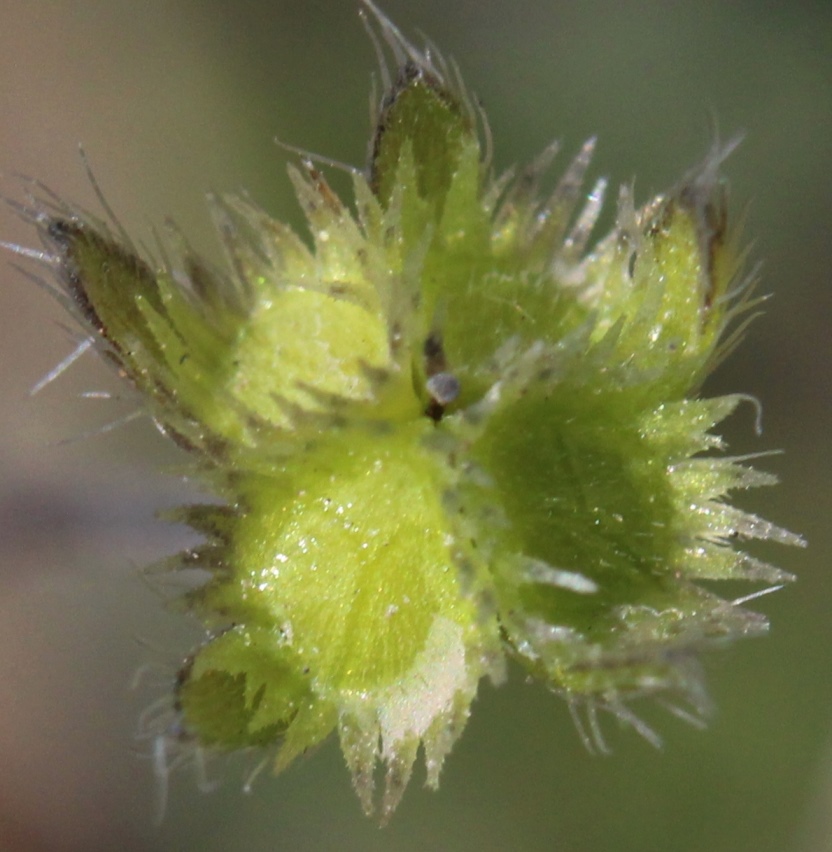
x: 444, y: 435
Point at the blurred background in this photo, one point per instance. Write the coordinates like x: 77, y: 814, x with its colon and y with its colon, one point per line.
x: 171, y: 100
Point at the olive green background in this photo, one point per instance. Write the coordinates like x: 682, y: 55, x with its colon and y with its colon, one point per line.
x: 171, y: 100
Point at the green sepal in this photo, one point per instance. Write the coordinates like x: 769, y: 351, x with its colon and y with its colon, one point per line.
x: 421, y: 116
x: 241, y: 689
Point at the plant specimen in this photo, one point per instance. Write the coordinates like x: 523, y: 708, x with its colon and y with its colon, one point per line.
x: 448, y: 432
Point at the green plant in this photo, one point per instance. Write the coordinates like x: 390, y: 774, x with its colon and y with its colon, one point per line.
x: 445, y: 436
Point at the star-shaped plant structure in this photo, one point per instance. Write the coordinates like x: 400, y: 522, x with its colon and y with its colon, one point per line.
x: 445, y: 435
